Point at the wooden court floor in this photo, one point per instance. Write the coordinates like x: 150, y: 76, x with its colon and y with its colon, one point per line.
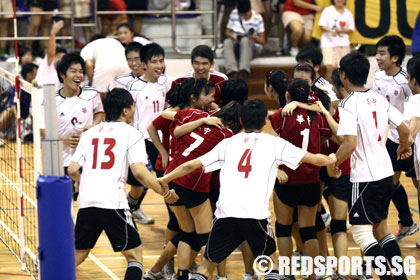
x: 105, y: 264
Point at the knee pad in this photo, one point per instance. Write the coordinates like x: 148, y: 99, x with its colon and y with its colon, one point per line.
x: 175, y: 239
x: 338, y: 226
x: 283, y: 230
x: 200, y: 241
x: 363, y: 236
x: 187, y: 237
x: 307, y: 233
x: 173, y: 223
x: 319, y: 222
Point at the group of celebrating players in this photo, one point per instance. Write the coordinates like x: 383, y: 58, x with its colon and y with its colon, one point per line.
x: 217, y: 169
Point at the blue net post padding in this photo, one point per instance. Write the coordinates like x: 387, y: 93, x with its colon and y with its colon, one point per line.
x: 55, y: 228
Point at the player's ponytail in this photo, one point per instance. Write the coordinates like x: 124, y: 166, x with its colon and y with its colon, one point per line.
x: 230, y: 116
x: 279, y: 81
x: 181, y: 95
x: 299, y: 91
x: 322, y: 96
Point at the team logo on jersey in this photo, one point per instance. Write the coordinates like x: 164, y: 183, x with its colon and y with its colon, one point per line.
x: 74, y: 121
x: 396, y: 93
x: 62, y: 114
x: 246, y: 140
x: 206, y: 130
x: 84, y: 110
x: 300, y: 119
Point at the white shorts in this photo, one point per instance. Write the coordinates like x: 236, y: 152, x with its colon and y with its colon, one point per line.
x: 104, y: 80
x: 6, y: 6
x: 333, y: 55
x: 81, y: 8
x: 306, y: 20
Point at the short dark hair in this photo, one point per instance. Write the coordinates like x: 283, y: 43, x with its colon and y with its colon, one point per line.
x: 96, y: 37
x: 60, y: 50
x: 133, y: 47
x: 27, y: 68
x: 126, y: 25
x: 149, y: 51
x: 68, y: 60
x: 114, y: 103
x: 244, y: 6
x: 395, y: 45
x: 253, y: 114
x: 22, y: 51
x: 280, y: 82
x: 335, y: 78
x: 203, y: 51
x: 311, y: 55
x: 356, y: 67
x: 234, y: 90
x: 413, y: 68
x: 181, y: 94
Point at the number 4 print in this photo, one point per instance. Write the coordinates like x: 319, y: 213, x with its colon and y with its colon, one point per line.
x: 247, y: 167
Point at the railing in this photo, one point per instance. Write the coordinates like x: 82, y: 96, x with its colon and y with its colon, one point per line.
x: 172, y: 12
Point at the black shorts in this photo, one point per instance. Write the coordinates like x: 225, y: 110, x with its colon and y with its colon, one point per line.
x: 406, y: 165
x: 294, y: 195
x: 340, y: 188
x: 118, y: 224
x: 214, y: 195
x: 369, y: 202
x: 228, y: 233
x: 152, y: 154
x: 45, y: 5
x: 229, y: 2
x: 188, y: 197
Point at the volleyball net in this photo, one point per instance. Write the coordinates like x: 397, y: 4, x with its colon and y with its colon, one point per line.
x: 20, y: 165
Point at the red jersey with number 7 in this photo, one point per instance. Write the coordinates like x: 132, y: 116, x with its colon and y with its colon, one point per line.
x: 299, y: 130
x: 194, y: 145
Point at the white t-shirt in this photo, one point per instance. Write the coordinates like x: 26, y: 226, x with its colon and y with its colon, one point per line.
x: 47, y: 74
x: 366, y: 115
x: 326, y: 86
x: 108, y: 54
x: 249, y: 164
x: 150, y: 101
x: 332, y: 19
x: 123, y: 80
x: 411, y: 110
x: 396, y: 90
x: 240, y: 26
x: 141, y: 40
x: 73, y: 114
x: 105, y: 152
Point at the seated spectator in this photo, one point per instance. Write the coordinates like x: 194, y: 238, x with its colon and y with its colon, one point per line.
x: 126, y: 35
x: 298, y: 19
x: 7, y: 109
x: 415, y: 45
x: 5, y: 20
x: 245, y: 37
x: 81, y: 12
x: 337, y: 23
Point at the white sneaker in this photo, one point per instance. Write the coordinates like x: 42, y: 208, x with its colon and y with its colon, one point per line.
x: 142, y: 217
x: 297, y: 254
x: 2, y: 143
x: 294, y: 51
x: 168, y: 270
x: 402, y: 232
x: 221, y: 278
x: 150, y: 275
x: 248, y: 276
x: 326, y: 217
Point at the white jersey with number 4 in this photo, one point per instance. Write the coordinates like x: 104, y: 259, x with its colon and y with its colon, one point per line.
x: 366, y: 115
x: 249, y: 164
x: 395, y: 89
x: 105, y: 153
x: 411, y: 110
x: 150, y: 100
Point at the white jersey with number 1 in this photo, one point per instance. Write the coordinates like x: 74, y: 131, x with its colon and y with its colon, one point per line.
x: 105, y: 152
x: 249, y: 164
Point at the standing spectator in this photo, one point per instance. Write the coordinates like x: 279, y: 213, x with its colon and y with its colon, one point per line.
x: 337, y: 23
x: 415, y: 44
x: 229, y: 5
x: 298, y: 19
x: 245, y: 37
x: 41, y: 22
x: 81, y: 12
x: 136, y: 20
x: 6, y: 6
x: 126, y: 35
x: 111, y: 21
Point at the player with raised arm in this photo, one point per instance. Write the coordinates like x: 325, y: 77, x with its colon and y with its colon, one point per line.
x: 105, y: 152
x: 390, y: 81
x: 249, y: 162
x: 149, y: 93
x: 364, y: 118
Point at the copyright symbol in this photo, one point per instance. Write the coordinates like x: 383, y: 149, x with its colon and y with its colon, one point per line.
x: 263, y: 265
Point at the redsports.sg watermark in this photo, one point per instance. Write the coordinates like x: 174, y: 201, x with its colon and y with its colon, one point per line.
x: 303, y: 265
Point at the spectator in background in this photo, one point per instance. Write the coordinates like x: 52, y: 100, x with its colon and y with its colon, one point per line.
x: 126, y: 35
x: 415, y: 44
x: 40, y: 22
x: 229, y: 5
x: 81, y: 12
x: 245, y: 37
x: 111, y: 21
x: 6, y: 7
x: 25, y: 55
x: 136, y: 20
x: 337, y: 23
x: 298, y: 19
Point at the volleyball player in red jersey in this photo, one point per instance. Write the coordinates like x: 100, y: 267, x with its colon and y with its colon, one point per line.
x: 303, y: 129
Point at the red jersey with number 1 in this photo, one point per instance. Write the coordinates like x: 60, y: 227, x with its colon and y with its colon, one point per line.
x: 194, y: 145
x: 299, y: 130
x: 167, y: 128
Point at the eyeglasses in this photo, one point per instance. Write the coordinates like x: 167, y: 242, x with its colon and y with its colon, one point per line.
x: 134, y: 59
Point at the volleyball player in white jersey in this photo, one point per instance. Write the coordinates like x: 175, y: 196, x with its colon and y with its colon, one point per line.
x: 132, y: 54
x: 78, y: 108
x: 390, y: 82
x: 105, y: 152
x: 246, y: 160
x: 364, y: 118
x: 149, y: 93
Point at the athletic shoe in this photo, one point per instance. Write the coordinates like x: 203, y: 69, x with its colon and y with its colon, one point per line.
x: 221, y: 278
x: 402, y: 231
x: 248, y: 276
x: 294, y: 51
x: 297, y: 254
x: 2, y: 143
x: 150, y: 275
x: 169, y: 270
x: 142, y: 217
x: 326, y: 217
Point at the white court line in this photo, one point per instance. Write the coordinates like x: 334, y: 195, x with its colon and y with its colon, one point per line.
x: 104, y: 267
